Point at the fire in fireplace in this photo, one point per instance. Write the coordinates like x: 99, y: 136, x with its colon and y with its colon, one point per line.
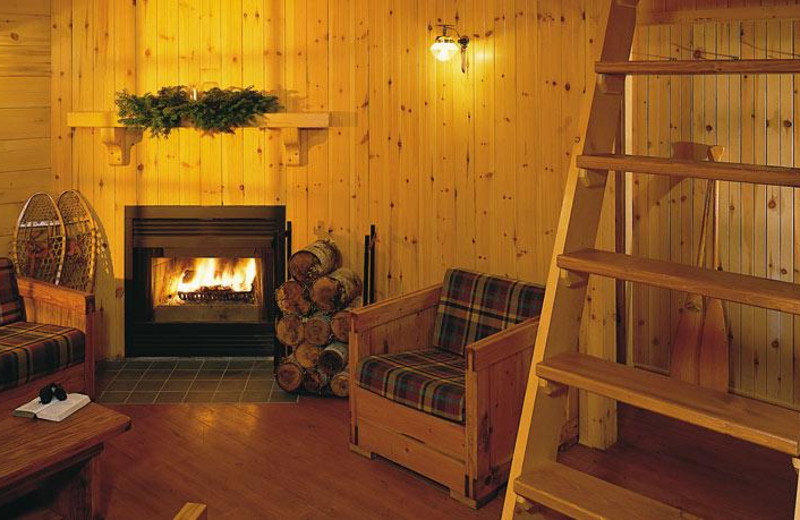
x: 200, y: 279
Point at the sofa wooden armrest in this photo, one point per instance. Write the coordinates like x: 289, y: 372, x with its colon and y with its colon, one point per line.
x: 395, y: 325
x: 497, y: 347
x: 56, y: 305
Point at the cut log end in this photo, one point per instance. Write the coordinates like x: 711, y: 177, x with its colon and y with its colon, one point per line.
x: 333, y: 358
x: 340, y: 383
x: 307, y: 355
x: 318, y: 330
x: 289, y: 375
x: 340, y: 326
x: 292, y: 298
x: 316, y: 259
x: 315, y: 380
x: 336, y: 290
x: 290, y: 330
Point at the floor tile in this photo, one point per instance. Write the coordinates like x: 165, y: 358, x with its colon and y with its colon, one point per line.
x: 262, y: 373
x: 279, y: 396
x: 183, y: 374
x: 130, y: 374
x: 173, y: 385
x: 137, y: 364
x: 203, y: 386
x: 170, y: 397
x: 215, y: 363
x: 227, y: 397
x: 149, y: 386
x: 164, y: 364
x: 236, y: 374
x: 198, y: 397
x: 263, y: 363
x: 210, y: 374
x: 234, y: 385
x: 259, y: 386
x: 184, y: 364
x: 114, y: 397
x: 157, y: 374
x: 123, y: 385
x: 255, y: 397
x: 241, y: 363
x: 141, y: 398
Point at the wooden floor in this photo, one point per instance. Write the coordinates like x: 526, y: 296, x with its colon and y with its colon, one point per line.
x: 292, y: 461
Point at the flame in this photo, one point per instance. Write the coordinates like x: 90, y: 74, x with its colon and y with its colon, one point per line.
x: 235, y: 274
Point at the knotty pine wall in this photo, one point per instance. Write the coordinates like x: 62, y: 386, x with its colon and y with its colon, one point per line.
x: 454, y: 169
x: 24, y: 108
x: 755, y: 118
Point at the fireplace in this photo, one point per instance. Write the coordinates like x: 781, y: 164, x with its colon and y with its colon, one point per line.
x: 199, y: 280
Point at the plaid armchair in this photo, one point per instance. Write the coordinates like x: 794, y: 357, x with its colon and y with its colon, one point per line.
x: 440, y: 375
x: 55, y: 343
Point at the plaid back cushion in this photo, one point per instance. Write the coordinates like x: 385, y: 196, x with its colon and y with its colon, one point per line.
x: 11, y: 306
x: 474, y: 305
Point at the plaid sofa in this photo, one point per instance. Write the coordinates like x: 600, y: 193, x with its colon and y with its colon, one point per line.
x: 472, y: 306
x: 31, y: 350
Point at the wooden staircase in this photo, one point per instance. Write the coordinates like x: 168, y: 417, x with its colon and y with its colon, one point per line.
x: 537, y: 482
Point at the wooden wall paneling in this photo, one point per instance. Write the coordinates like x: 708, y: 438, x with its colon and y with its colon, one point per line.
x: 125, y: 178
x: 60, y: 95
x: 167, y: 73
x: 760, y: 222
x: 786, y: 262
x: 253, y: 74
x: 147, y: 81
x: 395, y: 156
x: 748, y: 132
x: 796, y: 201
x: 102, y: 195
x: 210, y: 69
x: 296, y: 66
x: 232, y: 174
x: 773, y: 212
x: 482, y: 70
x: 675, y: 200
x: 359, y: 143
x: 731, y: 212
x: 317, y: 92
x: 274, y: 78
x: 505, y: 193
x: 189, y: 29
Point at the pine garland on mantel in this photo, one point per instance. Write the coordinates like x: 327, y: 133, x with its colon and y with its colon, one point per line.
x: 213, y: 111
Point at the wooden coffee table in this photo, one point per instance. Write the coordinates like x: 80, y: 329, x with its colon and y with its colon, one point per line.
x: 58, y: 460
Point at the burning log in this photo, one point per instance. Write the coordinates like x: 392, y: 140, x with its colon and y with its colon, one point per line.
x: 290, y: 330
x: 316, y: 259
x: 336, y: 290
x: 340, y: 326
x: 315, y: 380
x: 318, y: 330
x: 333, y: 358
x: 340, y: 383
x: 290, y: 375
x: 292, y: 298
x: 307, y: 355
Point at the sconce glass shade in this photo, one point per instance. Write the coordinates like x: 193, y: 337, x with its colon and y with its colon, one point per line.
x: 444, y: 48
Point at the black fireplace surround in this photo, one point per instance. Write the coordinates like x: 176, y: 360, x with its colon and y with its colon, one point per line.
x: 154, y: 233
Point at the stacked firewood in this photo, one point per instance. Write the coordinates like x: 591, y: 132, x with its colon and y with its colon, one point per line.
x: 315, y: 324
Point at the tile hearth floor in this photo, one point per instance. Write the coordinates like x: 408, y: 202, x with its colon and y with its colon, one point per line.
x: 189, y: 380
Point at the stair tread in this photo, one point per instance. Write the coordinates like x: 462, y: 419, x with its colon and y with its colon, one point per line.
x: 583, y: 496
x: 726, y: 171
x: 746, y: 289
x: 748, y: 419
x: 675, y: 67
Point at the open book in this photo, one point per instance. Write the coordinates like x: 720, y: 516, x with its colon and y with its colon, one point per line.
x: 55, y: 410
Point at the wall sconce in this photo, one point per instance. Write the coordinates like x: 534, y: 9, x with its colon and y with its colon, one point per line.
x: 445, y: 47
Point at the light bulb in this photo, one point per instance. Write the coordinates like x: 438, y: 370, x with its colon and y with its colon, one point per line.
x: 444, y: 48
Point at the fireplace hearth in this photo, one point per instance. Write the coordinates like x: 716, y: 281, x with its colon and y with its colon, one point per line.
x: 199, y: 280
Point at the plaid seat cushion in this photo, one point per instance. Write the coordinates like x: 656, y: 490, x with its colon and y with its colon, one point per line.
x: 430, y: 380
x: 474, y: 305
x: 31, y: 350
x: 11, y: 306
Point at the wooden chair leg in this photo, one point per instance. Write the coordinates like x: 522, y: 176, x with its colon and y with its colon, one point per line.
x: 355, y: 448
x: 796, y: 464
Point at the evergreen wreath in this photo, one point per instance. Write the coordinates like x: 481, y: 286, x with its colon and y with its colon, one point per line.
x: 216, y: 110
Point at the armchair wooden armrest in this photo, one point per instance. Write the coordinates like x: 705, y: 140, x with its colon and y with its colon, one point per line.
x: 384, y: 312
x: 56, y: 305
x: 497, y: 347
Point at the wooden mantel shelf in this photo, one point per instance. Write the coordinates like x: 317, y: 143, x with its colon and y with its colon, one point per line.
x: 119, y: 139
